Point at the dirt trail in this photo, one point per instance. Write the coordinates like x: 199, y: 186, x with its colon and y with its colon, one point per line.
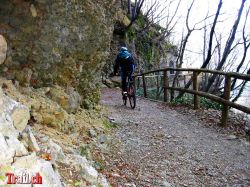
x: 160, y: 147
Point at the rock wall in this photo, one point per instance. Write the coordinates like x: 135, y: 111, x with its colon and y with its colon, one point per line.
x: 14, y: 155
x: 57, y: 42
x: 29, y: 146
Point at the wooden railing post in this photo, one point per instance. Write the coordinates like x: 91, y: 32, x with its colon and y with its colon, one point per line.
x: 157, y: 87
x: 195, y: 88
x: 165, y: 84
x: 144, y: 86
x: 225, y: 110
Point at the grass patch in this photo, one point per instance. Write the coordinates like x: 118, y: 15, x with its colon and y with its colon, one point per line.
x: 204, y: 102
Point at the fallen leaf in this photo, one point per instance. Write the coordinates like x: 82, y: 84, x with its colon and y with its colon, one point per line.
x: 46, y: 156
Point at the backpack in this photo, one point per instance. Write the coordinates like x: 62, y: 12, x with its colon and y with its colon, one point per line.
x: 125, y: 58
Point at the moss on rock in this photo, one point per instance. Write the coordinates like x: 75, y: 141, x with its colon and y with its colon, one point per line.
x: 64, y: 43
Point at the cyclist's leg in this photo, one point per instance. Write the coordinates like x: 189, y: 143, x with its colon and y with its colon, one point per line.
x: 123, y: 77
x: 132, y: 68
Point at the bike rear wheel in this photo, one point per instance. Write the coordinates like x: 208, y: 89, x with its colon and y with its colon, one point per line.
x: 132, y: 101
x: 132, y: 97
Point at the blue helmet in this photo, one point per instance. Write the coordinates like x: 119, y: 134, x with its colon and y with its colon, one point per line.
x: 123, y: 53
x: 123, y: 49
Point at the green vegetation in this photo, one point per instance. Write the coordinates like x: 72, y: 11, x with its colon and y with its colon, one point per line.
x: 99, y: 166
x: 186, y: 100
x: 207, y: 103
x: 204, y: 102
x: 109, y: 125
x: 85, y: 151
x: 131, y: 33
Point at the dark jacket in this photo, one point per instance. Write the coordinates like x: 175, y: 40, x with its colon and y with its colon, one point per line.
x: 125, y: 61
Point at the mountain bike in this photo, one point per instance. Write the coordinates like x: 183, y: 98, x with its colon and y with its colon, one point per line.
x: 130, y: 95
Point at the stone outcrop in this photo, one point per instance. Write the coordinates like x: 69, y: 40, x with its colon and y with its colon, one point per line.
x: 32, y: 165
x: 14, y: 156
x: 24, y: 151
x: 13, y: 116
x: 69, y: 101
x: 3, y: 49
x: 29, y: 140
x: 57, y: 42
x: 57, y: 153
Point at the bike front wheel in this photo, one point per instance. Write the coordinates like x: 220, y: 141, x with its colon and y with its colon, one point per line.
x: 124, y: 98
x: 132, y: 97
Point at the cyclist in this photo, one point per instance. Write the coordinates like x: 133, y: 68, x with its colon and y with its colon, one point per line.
x: 125, y: 61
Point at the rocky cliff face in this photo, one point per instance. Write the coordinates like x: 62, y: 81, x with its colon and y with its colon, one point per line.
x: 30, y: 146
x: 57, y: 42
x: 51, y: 57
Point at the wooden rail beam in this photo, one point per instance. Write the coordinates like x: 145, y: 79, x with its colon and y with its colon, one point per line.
x: 214, y: 98
x: 232, y: 74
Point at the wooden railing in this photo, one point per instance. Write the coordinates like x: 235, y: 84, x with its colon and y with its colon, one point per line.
x: 225, y: 100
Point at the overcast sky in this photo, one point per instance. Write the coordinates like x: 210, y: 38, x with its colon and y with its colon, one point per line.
x: 199, y: 10
x: 193, y: 57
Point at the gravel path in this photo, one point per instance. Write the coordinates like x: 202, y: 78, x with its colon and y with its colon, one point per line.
x: 160, y: 147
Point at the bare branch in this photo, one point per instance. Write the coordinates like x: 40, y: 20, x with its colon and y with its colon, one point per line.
x: 208, y: 58
x: 228, y: 46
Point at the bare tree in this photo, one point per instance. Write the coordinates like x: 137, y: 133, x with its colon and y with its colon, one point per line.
x: 241, y: 89
x: 135, y: 12
x: 156, y: 13
x: 246, y: 45
x: 228, y: 46
x: 210, y: 45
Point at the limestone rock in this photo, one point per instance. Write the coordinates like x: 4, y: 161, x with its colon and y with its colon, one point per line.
x: 6, y: 155
x: 3, y: 49
x: 69, y: 101
x: 13, y: 111
x: 67, y: 50
x: 88, y: 172
x: 31, y: 140
x: 231, y: 137
x: 48, y: 112
x: 24, y: 76
x: 102, y: 181
x: 58, y: 95
x: 103, y: 138
x: 7, y: 128
x: 10, y: 147
x: 20, y: 117
x: 121, y: 16
x: 32, y: 164
x: 14, y: 144
x: 33, y: 10
x: 57, y: 152
x: 74, y: 100
x: 92, y: 133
